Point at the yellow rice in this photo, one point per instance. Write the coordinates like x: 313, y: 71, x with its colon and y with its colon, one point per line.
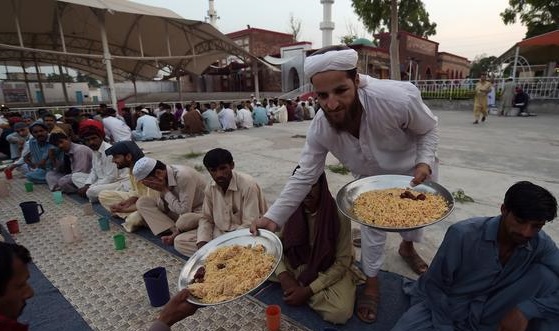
x: 385, y: 208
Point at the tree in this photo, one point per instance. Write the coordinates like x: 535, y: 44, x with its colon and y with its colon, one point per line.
x: 483, y: 64
x: 539, y: 16
x: 394, y: 44
x: 92, y: 82
x: 347, y: 39
x: 412, y: 16
x: 54, y: 77
x: 294, y: 26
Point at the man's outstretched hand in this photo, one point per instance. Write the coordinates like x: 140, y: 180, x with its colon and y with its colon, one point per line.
x: 514, y: 320
x: 421, y: 173
x: 177, y: 309
x: 263, y: 223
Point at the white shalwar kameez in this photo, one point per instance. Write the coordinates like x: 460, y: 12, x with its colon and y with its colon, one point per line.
x: 397, y: 132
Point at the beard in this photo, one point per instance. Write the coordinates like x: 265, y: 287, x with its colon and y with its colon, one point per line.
x: 350, y: 116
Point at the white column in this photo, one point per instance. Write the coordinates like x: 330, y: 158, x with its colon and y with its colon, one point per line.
x: 327, y: 26
x: 255, y: 75
x: 517, y: 50
x: 107, y: 58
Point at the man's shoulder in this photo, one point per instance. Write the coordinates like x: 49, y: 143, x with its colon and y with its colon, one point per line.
x: 474, y: 224
x: 389, y: 91
x: 244, y: 180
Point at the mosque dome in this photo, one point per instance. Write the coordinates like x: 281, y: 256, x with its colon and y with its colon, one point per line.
x: 362, y: 41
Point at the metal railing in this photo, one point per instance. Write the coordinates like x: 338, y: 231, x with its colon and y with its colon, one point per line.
x: 546, y: 88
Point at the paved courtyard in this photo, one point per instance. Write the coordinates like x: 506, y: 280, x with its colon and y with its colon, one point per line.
x: 483, y: 160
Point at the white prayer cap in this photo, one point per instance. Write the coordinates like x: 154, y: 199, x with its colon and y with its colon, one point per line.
x: 143, y: 167
x: 144, y: 110
x: 345, y: 59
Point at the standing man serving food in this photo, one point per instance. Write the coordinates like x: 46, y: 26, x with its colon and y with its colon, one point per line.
x: 373, y: 127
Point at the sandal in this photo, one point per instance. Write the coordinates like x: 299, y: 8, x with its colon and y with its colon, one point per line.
x: 356, y: 237
x: 369, y: 302
x: 415, y: 262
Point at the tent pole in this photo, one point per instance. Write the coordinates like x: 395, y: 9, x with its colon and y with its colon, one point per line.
x: 135, y: 90
x: 26, y: 82
x: 179, y: 82
x: 255, y: 75
x: 516, y: 51
x: 43, y: 101
x: 107, y: 58
x: 16, y: 18
x: 63, y: 80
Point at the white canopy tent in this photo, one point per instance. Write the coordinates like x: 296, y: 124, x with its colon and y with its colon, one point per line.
x: 109, y: 39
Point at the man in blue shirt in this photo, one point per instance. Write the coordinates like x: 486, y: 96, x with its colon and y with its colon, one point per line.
x: 493, y: 273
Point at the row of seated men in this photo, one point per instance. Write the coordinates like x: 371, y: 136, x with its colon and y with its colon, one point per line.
x: 178, y: 204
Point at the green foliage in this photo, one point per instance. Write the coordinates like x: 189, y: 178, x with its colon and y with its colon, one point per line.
x: 92, y: 82
x: 348, y: 39
x: 460, y: 196
x: 539, y: 16
x: 483, y: 64
x: 57, y: 78
x: 192, y: 155
x: 454, y: 94
x: 338, y: 169
x: 412, y: 16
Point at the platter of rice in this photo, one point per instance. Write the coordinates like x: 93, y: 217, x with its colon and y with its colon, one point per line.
x: 388, y: 203
x: 230, y: 266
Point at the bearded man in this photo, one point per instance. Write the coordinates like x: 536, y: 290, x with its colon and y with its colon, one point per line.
x: 374, y: 127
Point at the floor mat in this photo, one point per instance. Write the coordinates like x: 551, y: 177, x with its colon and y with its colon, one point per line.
x: 392, y: 305
x: 47, y: 307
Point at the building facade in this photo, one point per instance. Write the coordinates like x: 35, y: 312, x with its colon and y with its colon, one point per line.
x: 420, y: 58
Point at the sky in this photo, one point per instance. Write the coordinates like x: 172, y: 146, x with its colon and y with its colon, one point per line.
x: 467, y: 28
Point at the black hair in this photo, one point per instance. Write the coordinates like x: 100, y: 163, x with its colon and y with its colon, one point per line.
x: 178, y: 105
x: 49, y: 115
x: 158, y: 166
x: 217, y: 157
x: 351, y: 73
x: 530, y: 202
x: 56, y: 137
x: 7, y: 254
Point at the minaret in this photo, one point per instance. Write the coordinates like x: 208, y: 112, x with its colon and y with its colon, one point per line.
x: 212, y: 14
x: 326, y: 26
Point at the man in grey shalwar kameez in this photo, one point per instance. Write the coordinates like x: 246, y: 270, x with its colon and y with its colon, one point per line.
x: 497, y: 273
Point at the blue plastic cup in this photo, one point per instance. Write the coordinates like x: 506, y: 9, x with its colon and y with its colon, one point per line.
x: 157, y: 286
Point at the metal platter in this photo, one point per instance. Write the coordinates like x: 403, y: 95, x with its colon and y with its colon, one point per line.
x: 347, y: 195
x: 238, y: 237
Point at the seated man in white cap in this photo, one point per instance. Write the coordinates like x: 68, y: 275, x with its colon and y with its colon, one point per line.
x: 259, y: 115
x: 121, y: 202
x: 179, y: 203
x: 374, y: 127
x: 147, y: 127
x: 231, y: 201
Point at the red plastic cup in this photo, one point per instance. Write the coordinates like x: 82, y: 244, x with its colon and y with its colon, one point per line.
x: 8, y: 173
x: 13, y: 226
x: 273, y: 317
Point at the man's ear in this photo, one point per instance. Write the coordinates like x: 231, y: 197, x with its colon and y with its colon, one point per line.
x: 356, y: 80
x: 503, y: 209
x: 232, y: 165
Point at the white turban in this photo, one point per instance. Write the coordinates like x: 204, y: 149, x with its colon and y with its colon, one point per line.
x: 345, y: 59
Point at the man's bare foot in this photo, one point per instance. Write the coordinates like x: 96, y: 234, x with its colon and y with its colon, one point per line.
x: 368, y: 300
x: 413, y: 260
x: 168, y: 240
